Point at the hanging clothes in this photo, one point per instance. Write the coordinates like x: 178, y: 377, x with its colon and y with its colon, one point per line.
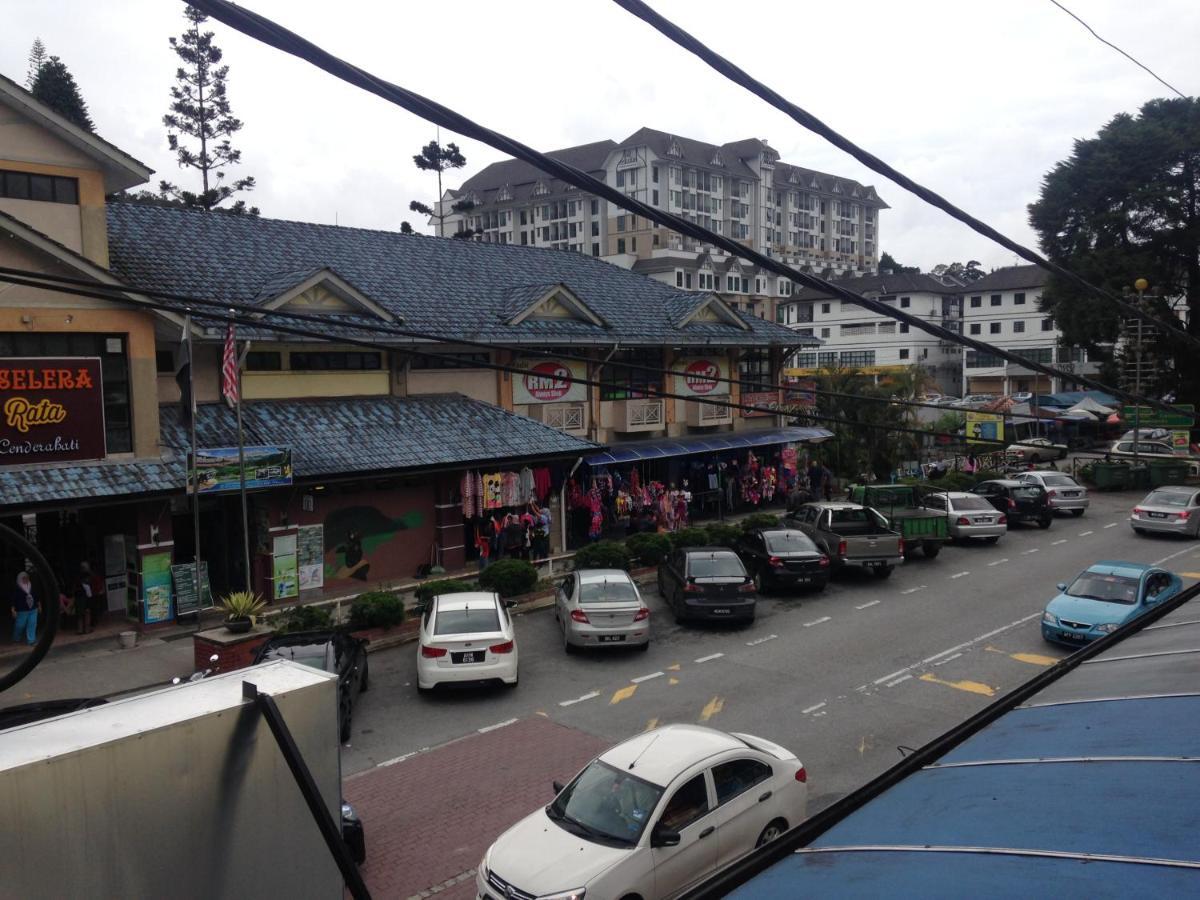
x: 525, y: 480
x: 511, y: 489
x: 541, y: 483
x: 471, y: 501
x: 493, y: 486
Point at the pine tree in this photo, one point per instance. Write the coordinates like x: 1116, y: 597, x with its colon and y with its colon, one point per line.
x: 436, y: 158
x: 200, y: 110
x: 55, y: 87
x: 37, y: 56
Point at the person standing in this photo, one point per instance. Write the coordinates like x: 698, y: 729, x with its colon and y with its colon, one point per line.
x: 25, y: 608
x: 82, y: 592
x: 99, y: 593
x: 826, y: 483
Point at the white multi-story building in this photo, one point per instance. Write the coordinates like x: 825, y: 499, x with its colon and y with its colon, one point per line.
x: 1003, y: 308
x: 873, y: 343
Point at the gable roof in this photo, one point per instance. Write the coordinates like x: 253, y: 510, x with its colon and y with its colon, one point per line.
x: 120, y: 169
x: 903, y: 283
x: 445, y: 288
x: 282, y: 290
x: 528, y: 299
x: 1010, y: 278
x: 694, y: 152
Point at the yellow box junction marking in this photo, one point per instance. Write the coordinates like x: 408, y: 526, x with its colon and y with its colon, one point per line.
x: 675, y: 668
x: 672, y: 681
x: 972, y: 687
x: 623, y: 694
x: 714, y: 706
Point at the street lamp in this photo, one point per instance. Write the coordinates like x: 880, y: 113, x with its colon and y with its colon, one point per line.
x: 1140, y: 286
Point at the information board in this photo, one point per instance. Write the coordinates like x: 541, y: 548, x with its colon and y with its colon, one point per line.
x: 310, y: 554
x: 285, y: 578
x: 156, y: 587
x: 184, y: 576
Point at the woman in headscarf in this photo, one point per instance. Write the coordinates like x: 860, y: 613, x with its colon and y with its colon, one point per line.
x: 25, y: 608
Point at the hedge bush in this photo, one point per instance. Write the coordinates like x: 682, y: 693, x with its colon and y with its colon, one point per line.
x: 722, y: 535
x: 376, y: 609
x: 304, y: 618
x: 431, y: 589
x: 604, y: 555
x: 509, y: 577
x: 649, y: 547
x: 689, y: 537
x: 760, y: 520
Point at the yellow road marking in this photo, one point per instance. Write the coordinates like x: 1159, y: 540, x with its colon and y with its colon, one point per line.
x: 651, y: 725
x: 1034, y: 659
x: 623, y: 694
x: 714, y: 706
x: 544, y: 715
x: 672, y: 681
x: 1190, y: 574
x: 675, y: 668
x: 973, y: 687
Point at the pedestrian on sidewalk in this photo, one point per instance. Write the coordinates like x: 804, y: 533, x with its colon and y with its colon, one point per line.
x: 25, y: 608
x: 99, y: 592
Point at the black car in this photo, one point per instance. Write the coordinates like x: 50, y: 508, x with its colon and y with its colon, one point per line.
x: 330, y: 651
x: 783, y: 557
x: 1019, y: 500
x: 707, y: 583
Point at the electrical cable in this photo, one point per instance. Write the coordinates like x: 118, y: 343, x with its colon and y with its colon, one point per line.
x: 269, y: 32
x: 806, y: 119
x: 1136, y: 62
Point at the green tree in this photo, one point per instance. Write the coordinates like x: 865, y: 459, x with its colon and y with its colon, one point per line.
x: 436, y: 158
x: 37, y: 56
x: 966, y: 273
x: 871, y: 443
x: 200, y: 111
x: 888, y: 263
x: 1126, y: 205
x: 55, y: 86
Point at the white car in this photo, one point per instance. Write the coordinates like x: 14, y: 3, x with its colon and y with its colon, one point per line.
x: 1036, y: 449
x: 1065, y: 492
x: 466, y: 637
x: 650, y: 818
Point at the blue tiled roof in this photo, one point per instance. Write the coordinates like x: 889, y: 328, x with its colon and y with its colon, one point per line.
x: 327, y: 436
x: 441, y: 287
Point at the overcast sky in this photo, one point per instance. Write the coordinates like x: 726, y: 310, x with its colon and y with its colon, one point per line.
x: 976, y: 100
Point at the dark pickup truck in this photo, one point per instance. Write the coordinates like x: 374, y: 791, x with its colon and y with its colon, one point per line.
x: 902, y: 505
x: 850, y: 535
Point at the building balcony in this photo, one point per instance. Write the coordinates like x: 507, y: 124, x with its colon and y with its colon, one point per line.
x: 705, y: 415
x: 638, y: 415
x: 568, y: 417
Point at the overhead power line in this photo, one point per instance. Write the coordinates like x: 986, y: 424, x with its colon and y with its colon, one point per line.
x: 269, y: 32
x: 812, y: 123
x: 1133, y: 60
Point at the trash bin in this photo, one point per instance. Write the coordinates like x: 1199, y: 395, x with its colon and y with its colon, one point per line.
x: 1163, y: 471
x: 1139, y: 476
x: 1110, y: 476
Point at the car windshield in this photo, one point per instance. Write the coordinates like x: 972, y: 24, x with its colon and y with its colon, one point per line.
x: 607, y: 592
x: 467, y: 621
x: 963, y: 504
x: 306, y: 654
x: 788, y: 542
x: 1110, y: 588
x: 1027, y: 492
x: 1167, y: 498
x: 1059, y: 481
x: 605, y: 805
x: 719, y: 565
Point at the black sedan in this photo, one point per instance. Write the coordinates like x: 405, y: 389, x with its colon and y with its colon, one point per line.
x: 1019, y: 500
x: 330, y: 651
x: 783, y: 557
x: 707, y: 583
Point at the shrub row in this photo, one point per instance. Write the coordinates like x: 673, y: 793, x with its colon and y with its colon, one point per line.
x: 649, y: 549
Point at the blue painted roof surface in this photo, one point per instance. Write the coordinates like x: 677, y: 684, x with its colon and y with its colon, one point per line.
x: 1067, y: 399
x: 681, y: 446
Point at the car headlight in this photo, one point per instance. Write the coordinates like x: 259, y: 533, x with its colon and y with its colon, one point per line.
x: 1049, y: 618
x: 348, y: 813
x: 576, y: 894
x: 1108, y: 627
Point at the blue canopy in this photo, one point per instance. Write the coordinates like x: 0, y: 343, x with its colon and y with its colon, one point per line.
x: 661, y: 448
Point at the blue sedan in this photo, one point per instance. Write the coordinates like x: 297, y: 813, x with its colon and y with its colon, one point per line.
x: 1104, y: 597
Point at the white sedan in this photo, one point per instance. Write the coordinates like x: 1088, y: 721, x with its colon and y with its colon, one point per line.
x: 650, y: 818
x: 1036, y: 449
x: 466, y: 637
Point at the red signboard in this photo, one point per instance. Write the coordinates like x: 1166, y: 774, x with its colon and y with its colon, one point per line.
x: 768, y: 399
x: 51, y: 410
x: 701, y: 376
x: 548, y: 381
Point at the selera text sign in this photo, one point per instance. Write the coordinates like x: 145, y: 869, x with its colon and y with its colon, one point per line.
x: 51, y: 410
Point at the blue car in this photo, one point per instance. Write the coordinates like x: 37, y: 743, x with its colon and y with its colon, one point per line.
x: 1104, y: 597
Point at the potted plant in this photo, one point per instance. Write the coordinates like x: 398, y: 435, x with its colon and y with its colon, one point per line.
x: 241, y: 607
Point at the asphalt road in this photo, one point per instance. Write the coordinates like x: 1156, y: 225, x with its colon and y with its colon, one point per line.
x: 844, y: 677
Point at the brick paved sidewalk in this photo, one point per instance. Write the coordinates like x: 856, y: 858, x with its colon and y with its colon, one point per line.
x: 429, y: 818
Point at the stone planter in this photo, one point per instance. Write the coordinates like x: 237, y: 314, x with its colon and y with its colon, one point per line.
x: 127, y: 639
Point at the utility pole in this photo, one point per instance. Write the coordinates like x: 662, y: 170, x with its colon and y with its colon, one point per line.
x: 1140, y: 286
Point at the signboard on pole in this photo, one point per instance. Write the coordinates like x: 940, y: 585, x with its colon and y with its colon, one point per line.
x: 548, y: 381
x: 218, y: 471
x: 187, y: 601
x: 984, y: 428
x: 156, y: 587
x: 51, y: 410
x: 1148, y: 417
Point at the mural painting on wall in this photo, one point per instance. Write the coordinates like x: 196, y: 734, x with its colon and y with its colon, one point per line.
x: 354, y: 533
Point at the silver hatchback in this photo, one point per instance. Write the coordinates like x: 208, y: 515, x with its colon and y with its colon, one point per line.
x: 1064, y: 492
x: 969, y: 516
x: 601, y: 608
x: 1171, y: 509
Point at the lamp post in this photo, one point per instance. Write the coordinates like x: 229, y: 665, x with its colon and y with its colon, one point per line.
x: 1140, y: 286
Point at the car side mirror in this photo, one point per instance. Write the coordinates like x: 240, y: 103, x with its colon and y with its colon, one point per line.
x: 509, y: 604
x: 1062, y: 585
x: 558, y: 787
x: 662, y: 836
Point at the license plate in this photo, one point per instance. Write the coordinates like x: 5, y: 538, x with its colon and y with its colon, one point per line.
x: 469, y: 657
x: 1070, y: 493
x: 721, y: 612
x: 1071, y: 636
x: 607, y: 638
x: 1155, y: 515
x: 983, y: 521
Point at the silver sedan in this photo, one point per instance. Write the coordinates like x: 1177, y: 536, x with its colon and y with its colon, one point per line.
x: 1065, y: 493
x: 1171, y: 509
x: 969, y: 516
x: 601, y: 608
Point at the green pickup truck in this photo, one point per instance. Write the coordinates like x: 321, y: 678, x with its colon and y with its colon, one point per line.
x: 901, y: 503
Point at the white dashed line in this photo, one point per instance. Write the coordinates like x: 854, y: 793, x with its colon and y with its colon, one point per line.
x: 1059, y: 541
x: 1027, y: 552
x: 998, y: 562
x: 898, y: 680
x: 872, y: 603
x: 761, y: 640
x: 895, y: 678
x: 942, y: 662
x: 817, y: 621
x: 1086, y: 533
x: 711, y: 656
x: 1159, y: 562
x: 919, y: 587
x: 486, y: 728
x: 1112, y: 525
x: 890, y: 677
x: 959, y: 575
x: 812, y: 709
x: 400, y: 759
x: 646, y: 677
x: 590, y: 696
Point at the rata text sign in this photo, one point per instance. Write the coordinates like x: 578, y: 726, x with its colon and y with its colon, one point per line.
x: 51, y: 410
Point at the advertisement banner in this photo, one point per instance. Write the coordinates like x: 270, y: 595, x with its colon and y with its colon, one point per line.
x: 984, y: 427
x: 1180, y: 441
x: 266, y: 466
x: 51, y: 410
x: 156, y: 587
x: 285, y: 578
x: 548, y: 381
x: 759, y: 398
x: 802, y: 394
x: 310, y: 556
x: 698, y: 377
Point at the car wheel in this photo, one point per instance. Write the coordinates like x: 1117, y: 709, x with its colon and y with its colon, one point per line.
x: 931, y: 549
x: 344, y: 731
x: 992, y: 539
x: 1140, y: 531
x: 884, y: 572
x: 1077, y: 513
x: 569, y: 648
x: 644, y: 647
x: 512, y: 685
x: 760, y: 582
x: 1044, y: 521
x: 772, y: 832
x: 364, y: 682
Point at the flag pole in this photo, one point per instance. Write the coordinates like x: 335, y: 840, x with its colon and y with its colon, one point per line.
x: 194, y: 474
x: 242, y: 472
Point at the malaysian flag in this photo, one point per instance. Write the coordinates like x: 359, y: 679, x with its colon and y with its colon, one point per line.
x: 229, y: 369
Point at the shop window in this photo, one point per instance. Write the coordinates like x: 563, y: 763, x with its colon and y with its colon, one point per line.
x: 755, y: 366
x: 619, y: 382
x: 334, y: 361
x: 446, y: 360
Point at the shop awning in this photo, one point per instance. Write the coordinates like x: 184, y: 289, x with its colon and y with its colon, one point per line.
x: 661, y: 448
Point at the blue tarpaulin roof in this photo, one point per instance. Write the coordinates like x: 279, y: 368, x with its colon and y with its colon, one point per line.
x: 682, y: 446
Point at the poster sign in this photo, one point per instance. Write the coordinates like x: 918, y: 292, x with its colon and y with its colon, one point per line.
x: 51, y: 410
x: 187, y: 601
x: 700, y: 377
x: 156, y: 587
x: 802, y: 394
x: 1153, y: 418
x: 549, y: 381
x: 266, y: 466
x: 984, y: 427
x: 759, y: 398
x: 285, y: 576
x: 310, y: 552
x: 1181, y: 441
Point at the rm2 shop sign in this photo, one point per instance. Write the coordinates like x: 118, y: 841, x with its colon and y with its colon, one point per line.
x: 51, y: 410
x: 702, y: 377
x: 549, y: 381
